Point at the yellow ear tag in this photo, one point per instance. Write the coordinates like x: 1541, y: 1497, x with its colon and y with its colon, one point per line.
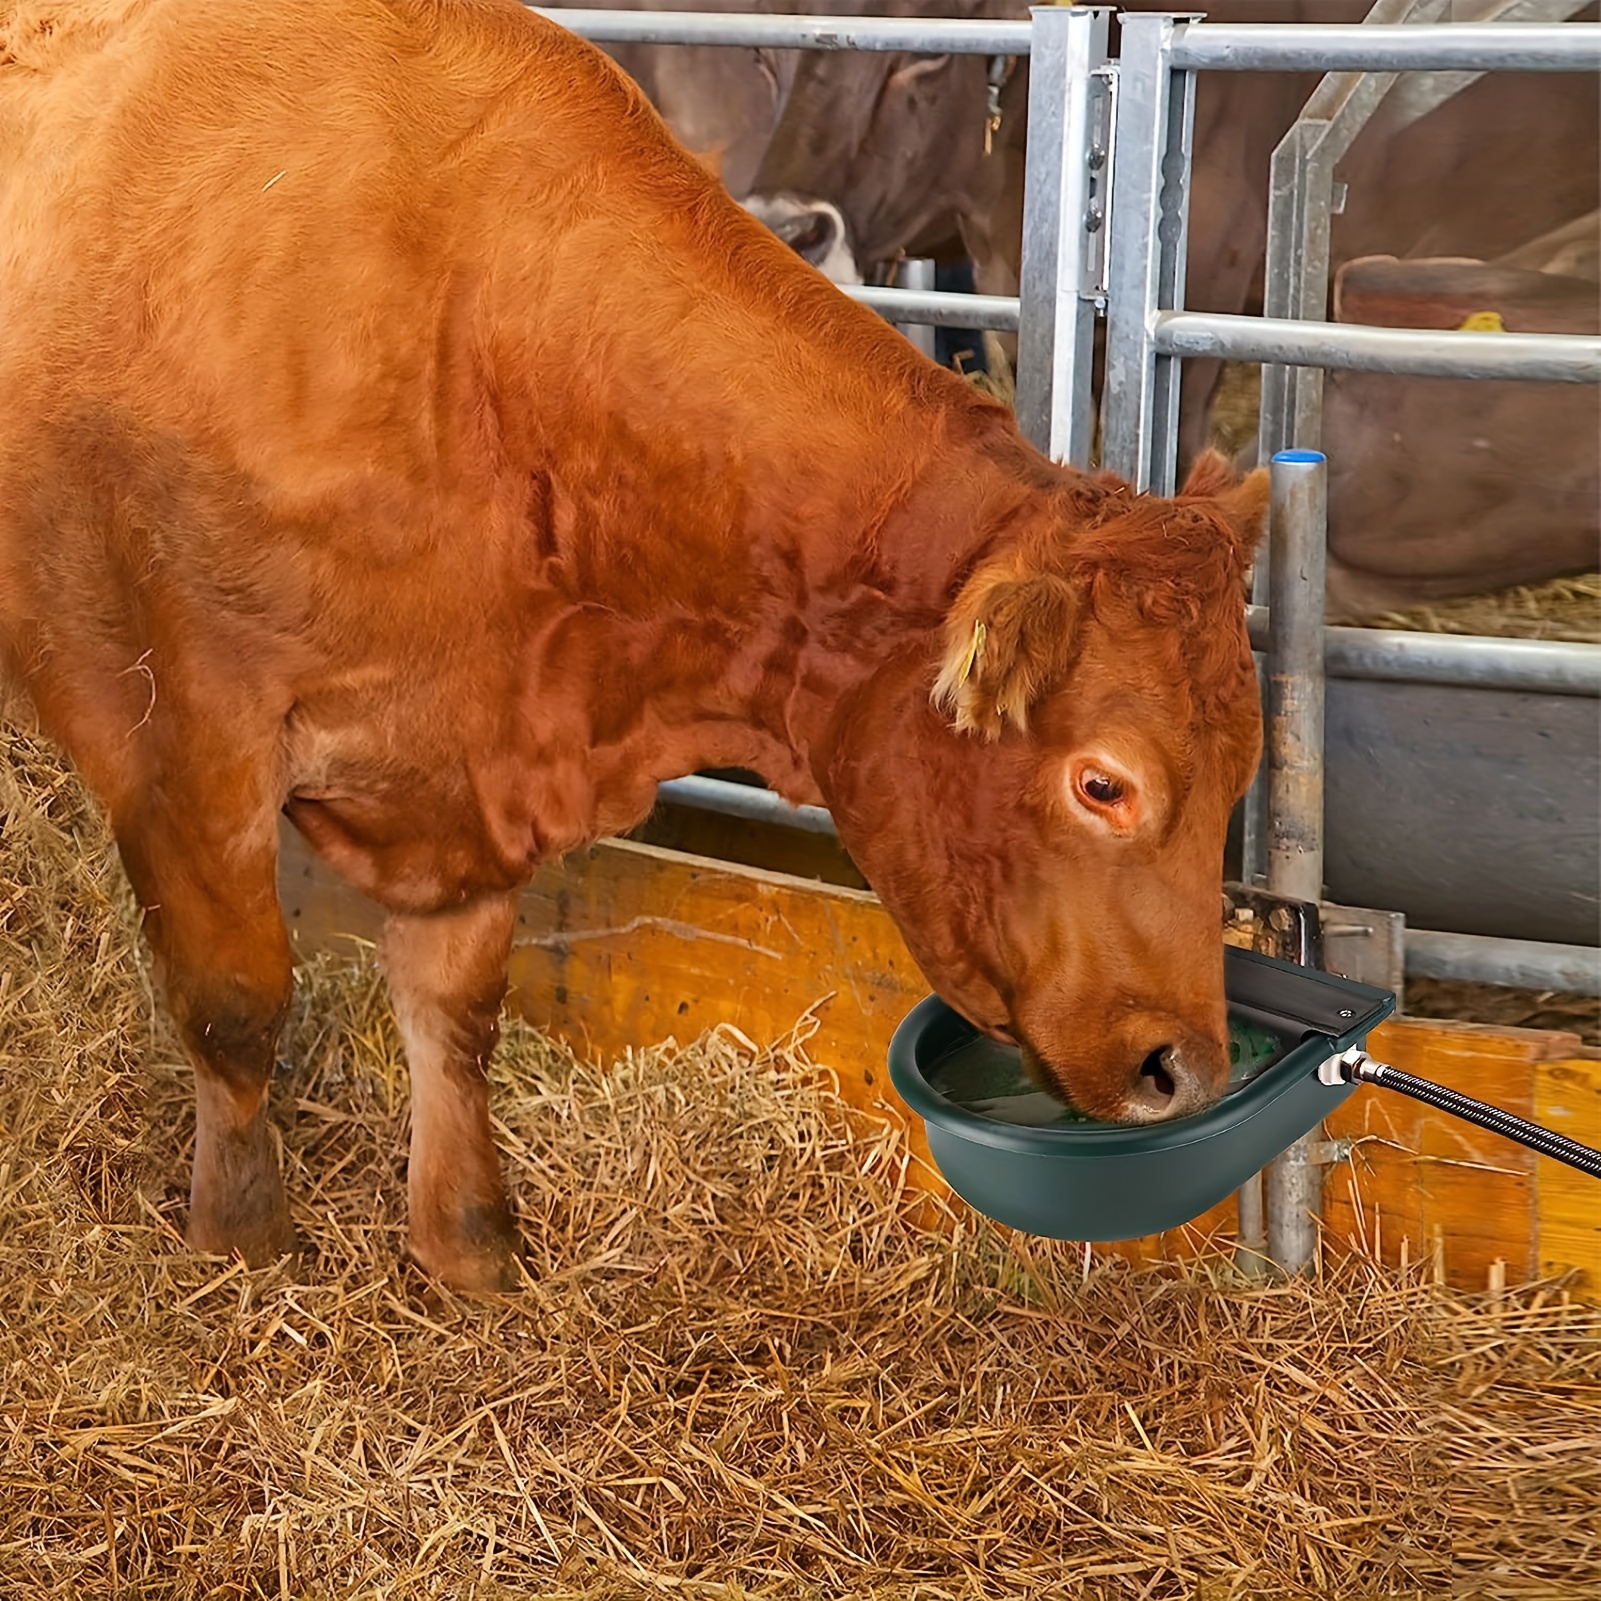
x: 1482, y: 322
x: 974, y: 646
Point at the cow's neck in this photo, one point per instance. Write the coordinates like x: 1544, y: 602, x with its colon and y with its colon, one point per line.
x: 736, y: 553
x: 739, y: 647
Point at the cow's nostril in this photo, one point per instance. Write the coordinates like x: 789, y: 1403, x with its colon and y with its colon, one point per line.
x: 1156, y: 1082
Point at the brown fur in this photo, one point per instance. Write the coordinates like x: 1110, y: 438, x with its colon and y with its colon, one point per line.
x: 407, y: 435
x: 1447, y: 486
x: 1013, y: 635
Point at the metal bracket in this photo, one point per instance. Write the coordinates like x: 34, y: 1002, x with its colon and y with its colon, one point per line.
x: 1272, y: 925
x: 1366, y: 944
x: 1330, y: 1153
x: 1100, y: 159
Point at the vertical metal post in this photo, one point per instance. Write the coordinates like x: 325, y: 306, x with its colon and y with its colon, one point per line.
x: 917, y: 272
x: 1150, y: 218
x: 1302, y: 196
x: 1297, y: 534
x: 1062, y: 285
x: 1250, y: 1235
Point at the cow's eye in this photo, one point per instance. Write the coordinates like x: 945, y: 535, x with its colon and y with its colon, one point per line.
x: 1100, y: 788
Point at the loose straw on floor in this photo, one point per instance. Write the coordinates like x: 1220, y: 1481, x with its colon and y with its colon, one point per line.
x: 741, y: 1366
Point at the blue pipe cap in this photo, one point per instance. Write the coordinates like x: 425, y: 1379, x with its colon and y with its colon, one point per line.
x: 1300, y: 458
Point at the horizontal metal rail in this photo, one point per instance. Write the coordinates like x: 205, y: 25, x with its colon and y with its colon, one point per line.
x: 1474, y: 958
x: 1424, y: 353
x: 917, y: 36
x: 1526, y: 964
x: 745, y: 800
x: 1469, y: 661
x: 1225, y: 47
x: 939, y: 308
x: 1354, y: 47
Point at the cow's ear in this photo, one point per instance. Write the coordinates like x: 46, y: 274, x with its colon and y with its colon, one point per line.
x: 1242, y: 505
x: 1009, y: 639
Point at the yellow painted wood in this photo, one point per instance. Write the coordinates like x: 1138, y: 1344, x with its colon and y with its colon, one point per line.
x: 629, y: 944
x: 1417, y: 1176
x: 1567, y: 1099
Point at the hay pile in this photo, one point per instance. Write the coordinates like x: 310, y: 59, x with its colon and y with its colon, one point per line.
x: 1560, y: 608
x: 739, y: 1368
x: 1505, y: 1006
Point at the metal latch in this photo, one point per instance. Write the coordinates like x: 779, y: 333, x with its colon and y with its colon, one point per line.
x: 1098, y: 183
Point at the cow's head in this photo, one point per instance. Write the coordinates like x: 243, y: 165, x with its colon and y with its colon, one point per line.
x: 881, y: 149
x: 1047, y: 827
x: 814, y: 229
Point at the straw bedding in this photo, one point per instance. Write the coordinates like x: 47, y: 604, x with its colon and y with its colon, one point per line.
x: 743, y: 1364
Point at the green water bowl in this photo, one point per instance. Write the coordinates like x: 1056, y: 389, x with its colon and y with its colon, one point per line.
x: 1027, y: 1159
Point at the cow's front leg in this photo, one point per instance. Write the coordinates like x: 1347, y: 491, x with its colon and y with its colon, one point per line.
x: 447, y: 977
x: 205, y: 880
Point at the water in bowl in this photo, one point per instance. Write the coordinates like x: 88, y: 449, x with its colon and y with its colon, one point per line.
x: 988, y: 1078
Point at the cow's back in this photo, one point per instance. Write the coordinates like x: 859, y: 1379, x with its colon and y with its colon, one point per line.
x: 243, y: 405
x: 170, y: 161
x: 342, y: 338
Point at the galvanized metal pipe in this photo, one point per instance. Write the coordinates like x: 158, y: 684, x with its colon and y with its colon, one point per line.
x: 1297, y: 535
x: 1425, y: 353
x: 1528, y: 964
x: 1552, y: 667
x: 1297, y: 523
x: 1392, y: 655
x: 917, y: 36
x: 1223, y: 47
x: 1346, y: 47
x: 746, y: 800
x: 1417, y: 94
x: 1250, y: 1230
x: 917, y: 276
x: 1065, y: 215
x: 939, y: 308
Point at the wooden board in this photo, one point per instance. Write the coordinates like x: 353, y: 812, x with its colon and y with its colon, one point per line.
x: 1420, y: 1183
x: 629, y: 944
x: 1567, y: 1098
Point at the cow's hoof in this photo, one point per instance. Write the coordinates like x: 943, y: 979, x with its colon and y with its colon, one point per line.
x: 261, y: 1242
x: 237, y: 1204
x: 479, y: 1258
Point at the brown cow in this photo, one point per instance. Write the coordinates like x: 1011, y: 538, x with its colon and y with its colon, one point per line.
x: 1442, y: 486
x: 720, y: 101
x: 403, y: 432
x: 898, y: 144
